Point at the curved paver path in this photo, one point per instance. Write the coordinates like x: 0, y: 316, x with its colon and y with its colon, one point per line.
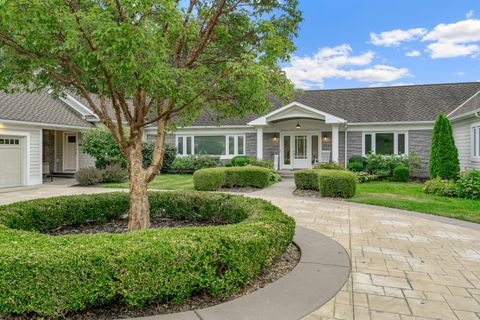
x: 404, y: 266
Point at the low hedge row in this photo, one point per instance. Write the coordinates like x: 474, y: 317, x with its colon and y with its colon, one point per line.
x: 330, y: 183
x: 212, y: 179
x: 53, y: 275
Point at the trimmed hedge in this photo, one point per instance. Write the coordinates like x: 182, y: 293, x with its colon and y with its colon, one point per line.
x: 53, y: 275
x: 337, y: 183
x: 212, y: 179
x: 401, y: 173
x: 306, y: 179
x: 330, y: 183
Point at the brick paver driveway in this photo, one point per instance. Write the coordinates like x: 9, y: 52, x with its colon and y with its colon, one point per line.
x: 403, y: 267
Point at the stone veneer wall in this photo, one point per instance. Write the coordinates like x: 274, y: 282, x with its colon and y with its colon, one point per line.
x: 48, y: 147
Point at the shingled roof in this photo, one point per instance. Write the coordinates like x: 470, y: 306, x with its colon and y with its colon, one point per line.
x: 469, y: 106
x: 378, y: 104
x: 39, y: 107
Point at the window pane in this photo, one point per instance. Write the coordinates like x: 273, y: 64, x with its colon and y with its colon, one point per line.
x: 212, y: 145
x: 300, y: 147
x: 189, y: 145
x: 286, y: 150
x: 384, y: 143
x: 180, y: 145
x: 240, y: 145
x: 401, y: 143
x: 368, y: 143
x: 231, y: 145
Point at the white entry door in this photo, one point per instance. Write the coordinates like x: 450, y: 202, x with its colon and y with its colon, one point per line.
x: 301, y: 152
x: 70, y: 152
x: 296, y: 151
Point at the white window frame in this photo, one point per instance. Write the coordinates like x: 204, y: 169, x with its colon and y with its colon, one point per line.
x: 395, y: 140
x: 227, y: 155
x: 475, y: 129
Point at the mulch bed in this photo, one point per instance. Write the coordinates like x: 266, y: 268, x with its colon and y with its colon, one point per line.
x: 121, y: 226
x: 280, y: 267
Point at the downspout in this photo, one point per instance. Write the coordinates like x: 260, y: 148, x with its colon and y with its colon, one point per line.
x: 346, y: 134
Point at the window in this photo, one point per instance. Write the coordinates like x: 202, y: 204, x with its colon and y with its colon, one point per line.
x: 385, y: 143
x: 215, y: 145
x: 475, y: 144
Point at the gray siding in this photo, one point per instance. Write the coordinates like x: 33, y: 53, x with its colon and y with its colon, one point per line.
x: 354, y: 144
x: 419, y: 141
x: 251, y: 144
x: 270, y: 148
x: 84, y: 160
x: 462, y: 133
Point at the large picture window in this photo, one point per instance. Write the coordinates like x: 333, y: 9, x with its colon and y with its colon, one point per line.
x: 214, y: 145
x: 385, y: 143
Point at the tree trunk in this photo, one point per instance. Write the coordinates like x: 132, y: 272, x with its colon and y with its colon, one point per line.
x: 139, y: 215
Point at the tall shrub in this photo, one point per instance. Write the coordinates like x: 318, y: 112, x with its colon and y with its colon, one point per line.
x: 443, y: 154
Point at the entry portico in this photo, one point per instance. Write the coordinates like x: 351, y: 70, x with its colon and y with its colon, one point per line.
x: 305, y: 135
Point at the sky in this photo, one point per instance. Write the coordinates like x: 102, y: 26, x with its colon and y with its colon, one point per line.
x: 367, y: 43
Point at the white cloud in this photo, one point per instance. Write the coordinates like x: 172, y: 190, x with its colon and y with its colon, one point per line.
x: 455, y: 39
x: 398, y: 84
x: 338, y: 62
x: 395, y: 37
x: 413, y: 53
x: 470, y: 14
x: 459, y: 74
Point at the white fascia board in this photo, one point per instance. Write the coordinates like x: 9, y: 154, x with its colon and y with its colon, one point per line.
x: 263, y: 121
x: 78, y: 106
x: 465, y: 115
x: 43, y: 125
x: 391, y: 126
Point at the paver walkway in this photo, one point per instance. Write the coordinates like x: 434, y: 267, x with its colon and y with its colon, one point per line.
x: 403, y: 267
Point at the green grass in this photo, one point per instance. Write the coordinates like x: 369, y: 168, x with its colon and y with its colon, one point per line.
x: 410, y: 196
x: 163, y: 182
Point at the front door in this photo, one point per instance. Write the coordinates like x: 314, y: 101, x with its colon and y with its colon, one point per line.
x: 296, y: 151
x: 70, y: 152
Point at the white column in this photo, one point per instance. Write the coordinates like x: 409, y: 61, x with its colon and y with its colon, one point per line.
x: 335, y: 142
x: 259, y: 143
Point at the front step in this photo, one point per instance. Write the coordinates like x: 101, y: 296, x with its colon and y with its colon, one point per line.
x: 286, y: 174
x: 63, y: 174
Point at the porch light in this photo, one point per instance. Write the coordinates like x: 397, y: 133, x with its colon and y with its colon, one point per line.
x: 325, y: 138
x: 298, y: 126
x: 275, y: 139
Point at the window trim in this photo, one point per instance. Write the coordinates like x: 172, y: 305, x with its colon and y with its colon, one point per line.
x: 395, y: 140
x: 473, y: 127
x: 227, y: 155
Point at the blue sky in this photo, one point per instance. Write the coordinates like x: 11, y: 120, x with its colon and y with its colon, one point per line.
x: 362, y: 43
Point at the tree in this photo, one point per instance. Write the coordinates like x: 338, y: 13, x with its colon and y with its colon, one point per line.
x: 443, y: 154
x: 150, y: 63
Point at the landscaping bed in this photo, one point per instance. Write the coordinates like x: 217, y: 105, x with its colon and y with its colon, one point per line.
x: 53, y: 276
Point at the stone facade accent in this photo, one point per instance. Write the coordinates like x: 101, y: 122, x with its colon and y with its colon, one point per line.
x: 419, y: 141
x: 48, y: 148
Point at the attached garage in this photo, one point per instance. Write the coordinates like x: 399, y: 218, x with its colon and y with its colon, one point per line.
x: 11, y: 161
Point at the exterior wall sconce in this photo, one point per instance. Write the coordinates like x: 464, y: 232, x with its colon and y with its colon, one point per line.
x: 275, y: 139
x: 325, y: 138
x: 298, y: 126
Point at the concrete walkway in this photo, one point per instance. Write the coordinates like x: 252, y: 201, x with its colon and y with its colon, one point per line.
x: 404, y: 266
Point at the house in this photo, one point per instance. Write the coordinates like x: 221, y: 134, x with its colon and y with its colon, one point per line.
x: 40, y: 132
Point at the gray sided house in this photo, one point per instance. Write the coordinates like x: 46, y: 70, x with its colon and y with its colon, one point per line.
x: 42, y: 134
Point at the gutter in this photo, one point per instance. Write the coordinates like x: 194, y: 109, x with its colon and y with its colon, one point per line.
x: 43, y: 125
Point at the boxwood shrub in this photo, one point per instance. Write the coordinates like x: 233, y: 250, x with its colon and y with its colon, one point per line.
x: 231, y: 177
x: 306, y: 179
x: 52, y: 275
x: 337, y: 183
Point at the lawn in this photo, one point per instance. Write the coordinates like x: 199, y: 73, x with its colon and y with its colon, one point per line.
x: 409, y: 196
x: 163, y: 182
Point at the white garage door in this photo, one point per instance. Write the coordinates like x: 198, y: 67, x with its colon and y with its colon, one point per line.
x: 10, y: 162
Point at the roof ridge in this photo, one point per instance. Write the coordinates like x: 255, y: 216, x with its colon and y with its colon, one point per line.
x: 399, y: 86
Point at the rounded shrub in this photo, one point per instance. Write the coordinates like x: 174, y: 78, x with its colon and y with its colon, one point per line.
x: 356, y: 167
x: 440, y: 187
x: 469, y: 185
x: 114, y: 174
x: 306, y: 179
x: 210, y: 179
x: 359, y: 159
x: 88, y: 176
x: 337, y: 183
x: 53, y: 275
x: 401, y: 173
x: 241, y: 161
